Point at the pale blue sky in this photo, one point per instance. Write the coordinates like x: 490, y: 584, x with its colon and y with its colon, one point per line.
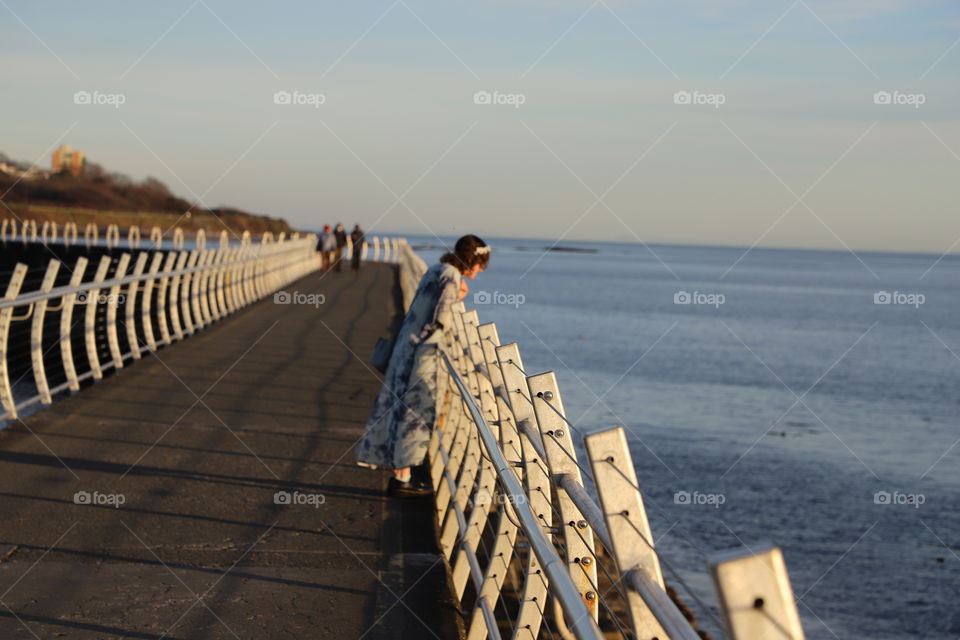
x: 598, y: 122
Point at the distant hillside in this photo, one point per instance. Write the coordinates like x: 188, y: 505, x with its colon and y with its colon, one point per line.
x: 62, y: 197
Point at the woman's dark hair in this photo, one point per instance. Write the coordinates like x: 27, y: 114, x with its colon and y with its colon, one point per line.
x: 469, y: 251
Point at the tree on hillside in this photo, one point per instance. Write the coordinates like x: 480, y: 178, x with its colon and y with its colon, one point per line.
x: 156, y: 185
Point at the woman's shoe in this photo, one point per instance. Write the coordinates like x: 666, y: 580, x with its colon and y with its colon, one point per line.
x: 410, y: 489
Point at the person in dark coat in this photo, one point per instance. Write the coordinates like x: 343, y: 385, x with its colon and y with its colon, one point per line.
x: 341, y: 237
x: 357, y: 238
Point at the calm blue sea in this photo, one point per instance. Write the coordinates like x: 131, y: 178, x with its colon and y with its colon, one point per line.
x: 806, y: 398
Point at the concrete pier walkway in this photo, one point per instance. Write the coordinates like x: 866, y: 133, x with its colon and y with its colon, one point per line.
x: 147, y: 505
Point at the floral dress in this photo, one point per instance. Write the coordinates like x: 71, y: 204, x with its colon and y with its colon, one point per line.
x: 402, y: 417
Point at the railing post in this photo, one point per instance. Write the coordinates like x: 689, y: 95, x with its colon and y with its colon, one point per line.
x: 577, y: 535
x: 247, y: 279
x: 465, y: 455
x: 447, y: 432
x: 256, y: 273
x: 113, y: 299
x: 201, y: 303
x: 113, y: 236
x: 626, y: 518
x: 90, y: 319
x: 36, y: 333
x: 533, y: 600
x: 29, y: 231
x: 48, y: 237
x: 505, y: 538
x: 486, y: 477
x: 70, y: 233
x: 66, y: 326
x: 218, y: 299
x: 235, y: 278
x: 185, y: 300
x: 130, y: 304
x: 91, y: 234
x: 6, y: 317
x: 147, y: 305
x: 166, y: 284
x: 755, y: 594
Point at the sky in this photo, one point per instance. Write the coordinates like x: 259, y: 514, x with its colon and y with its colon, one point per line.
x: 723, y: 123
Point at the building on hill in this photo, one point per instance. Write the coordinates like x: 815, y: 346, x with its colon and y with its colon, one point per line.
x: 69, y: 159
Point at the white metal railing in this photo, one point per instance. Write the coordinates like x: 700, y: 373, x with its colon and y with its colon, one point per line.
x: 131, y: 304
x: 376, y: 249
x: 528, y: 545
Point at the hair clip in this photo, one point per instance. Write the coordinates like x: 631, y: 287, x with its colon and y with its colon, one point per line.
x: 482, y: 250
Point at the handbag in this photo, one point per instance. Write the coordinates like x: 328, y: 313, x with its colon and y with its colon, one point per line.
x: 381, y: 354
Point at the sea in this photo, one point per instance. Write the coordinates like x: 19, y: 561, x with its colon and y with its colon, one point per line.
x: 802, y: 398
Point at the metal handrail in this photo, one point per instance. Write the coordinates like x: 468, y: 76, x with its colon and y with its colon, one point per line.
x: 58, y: 292
x: 579, y: 618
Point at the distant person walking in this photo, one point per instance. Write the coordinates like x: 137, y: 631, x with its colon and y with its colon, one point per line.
x: 329, y: 247
x: 341, y: 237
x: 402, y: 418
x: 357, y: 238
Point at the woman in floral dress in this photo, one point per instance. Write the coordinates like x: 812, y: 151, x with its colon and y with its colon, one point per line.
x: 403, y: 415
